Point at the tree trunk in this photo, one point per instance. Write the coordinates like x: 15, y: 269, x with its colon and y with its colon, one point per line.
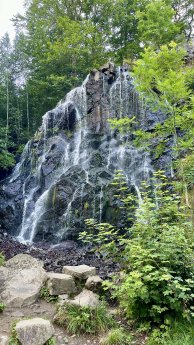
x: 7, y: 116
x: 27, y: 111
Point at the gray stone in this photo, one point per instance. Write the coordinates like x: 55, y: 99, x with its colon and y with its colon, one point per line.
x: 34, y: 332
x: 80, y: 272
x: 59, y: 283
x: 62, y: 299
x: 25, y: 277
x: 86, y: 298
x: 4, y: 340
x: 93, y: 282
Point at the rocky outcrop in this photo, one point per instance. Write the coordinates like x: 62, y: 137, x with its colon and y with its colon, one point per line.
x: 34, y: 331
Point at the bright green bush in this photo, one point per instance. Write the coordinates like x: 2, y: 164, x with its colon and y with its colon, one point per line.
x: 156, y: 256
x: 78, y: 320
x: 158, y: 274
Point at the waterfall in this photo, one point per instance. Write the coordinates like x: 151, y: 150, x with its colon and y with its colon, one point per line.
x: 66, y: 170
x: 30, y: 221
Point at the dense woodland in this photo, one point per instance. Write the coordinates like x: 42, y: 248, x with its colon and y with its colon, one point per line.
x: 56, y: 44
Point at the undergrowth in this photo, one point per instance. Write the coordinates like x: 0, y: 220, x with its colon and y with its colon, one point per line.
x: 13, y: 340
x: 2, y: 307
x: 78, y: 320
x: 117, y: 336
x: 180, y: 333
x: 156, y: 254
x: 44, y: 293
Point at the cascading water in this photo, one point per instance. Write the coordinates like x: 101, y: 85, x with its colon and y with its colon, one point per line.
x: 30, y: 221
x: 66, y: 170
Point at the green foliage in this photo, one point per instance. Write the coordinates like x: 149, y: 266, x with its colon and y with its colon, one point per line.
x: 156, y: 255
x: 123, y: 125
x: 160, y: 281
x: 117, y: 336
x: 78, y: 320
x: 13, y: 340
x: 51, y: 341
x: 188, y: 167
x: 2, y: 307
x: 44, y: 293
x: 162, y: 77
x: 156, y: 25
x: 102, y: 235
x: 176, y: 333
x: 7, y: 160
x: 162, y: 71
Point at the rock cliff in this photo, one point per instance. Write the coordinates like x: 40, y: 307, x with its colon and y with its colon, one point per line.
x: 65, y: 172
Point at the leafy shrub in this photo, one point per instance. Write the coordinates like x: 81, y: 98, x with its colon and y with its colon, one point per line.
x: 78, y: 320
x: 156, y: 256
x: 158, y: 277
x: 117, y: 337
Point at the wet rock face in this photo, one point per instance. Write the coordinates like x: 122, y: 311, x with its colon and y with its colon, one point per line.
x: 66, y: 170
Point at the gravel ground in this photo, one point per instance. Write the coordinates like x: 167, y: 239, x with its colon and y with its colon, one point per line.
x: 55, y: 257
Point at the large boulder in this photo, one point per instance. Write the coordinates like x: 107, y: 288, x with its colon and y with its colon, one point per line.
x: 81, y: 272
x: 24, y: 278
x: 34, y: 332
x: 59, y: 284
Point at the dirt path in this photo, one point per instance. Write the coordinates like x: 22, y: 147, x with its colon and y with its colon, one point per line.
x: 44, y: 310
